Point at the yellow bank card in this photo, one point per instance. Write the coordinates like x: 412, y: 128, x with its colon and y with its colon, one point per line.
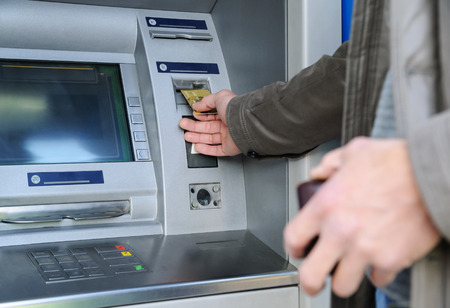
x: 193, y: 96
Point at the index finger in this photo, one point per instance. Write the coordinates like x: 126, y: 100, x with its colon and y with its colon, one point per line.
x: 301, y: 230
x: 206, y: 116
x: 329, y: 164
x: 209, y: 127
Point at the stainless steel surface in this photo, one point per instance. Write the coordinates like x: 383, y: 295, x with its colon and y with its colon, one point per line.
x: 253, y: 41
x: 202, y: 6
x: 57, y: 212
x: 179, y: 266
x: 267, y: 298
x: 166, y: 138
x: 254, y: 47
x: 184, y: 257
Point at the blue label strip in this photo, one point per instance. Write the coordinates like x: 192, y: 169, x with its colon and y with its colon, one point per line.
x: 65, y: 178
x: 187, y: 68
x: 176, y: 23
x: 347, y: 11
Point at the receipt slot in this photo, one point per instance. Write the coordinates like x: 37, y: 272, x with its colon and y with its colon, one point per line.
x: 195, y: 159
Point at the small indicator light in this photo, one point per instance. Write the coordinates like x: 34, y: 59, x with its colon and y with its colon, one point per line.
x: 120, y: 247
x: 139, y: 268
x: 126, y: 254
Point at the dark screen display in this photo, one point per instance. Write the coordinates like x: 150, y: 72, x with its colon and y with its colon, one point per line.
x: 62, y: 113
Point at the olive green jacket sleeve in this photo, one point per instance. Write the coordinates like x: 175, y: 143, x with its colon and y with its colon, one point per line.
x: 288, y: 118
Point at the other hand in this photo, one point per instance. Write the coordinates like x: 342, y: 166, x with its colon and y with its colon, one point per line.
x: 369, y: 213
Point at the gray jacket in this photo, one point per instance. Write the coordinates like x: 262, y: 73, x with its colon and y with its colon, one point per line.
x: 338, y: 96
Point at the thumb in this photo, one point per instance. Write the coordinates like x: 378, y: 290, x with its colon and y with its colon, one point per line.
x: 207, y: 103
x: 329, y: 164
x: 217, y: 100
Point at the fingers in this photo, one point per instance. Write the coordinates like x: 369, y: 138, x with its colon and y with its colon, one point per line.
x: 329, y: 251
x: 300, y: 231
x: 336, y: 233
x: 348, y: 275
x: 381, y: 277
x: 318, y: 265
x: 308, y: 222
x: 210, y: 133
x: 202, y: 138
x: 207, y: 127
x: 204, y: 135
x: 206, y: 117
x: 211, y: 150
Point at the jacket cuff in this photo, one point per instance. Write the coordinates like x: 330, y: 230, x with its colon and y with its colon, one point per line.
x: 236, y: 125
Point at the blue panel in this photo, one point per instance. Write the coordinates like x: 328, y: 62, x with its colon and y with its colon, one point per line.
x: 176, y: 23
x: 347, y: 11
x: 187, y: 68
x: 65, y: 178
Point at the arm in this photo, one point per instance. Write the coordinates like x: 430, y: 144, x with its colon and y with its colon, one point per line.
x: 292, y: 117
x: 281, y: 118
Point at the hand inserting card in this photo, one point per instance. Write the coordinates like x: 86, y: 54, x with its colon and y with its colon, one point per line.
x: 194, y: 96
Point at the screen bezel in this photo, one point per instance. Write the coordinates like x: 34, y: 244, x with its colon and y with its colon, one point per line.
x: 116, y: 94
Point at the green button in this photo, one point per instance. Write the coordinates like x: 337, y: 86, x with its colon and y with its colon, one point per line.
x: 139, y: 268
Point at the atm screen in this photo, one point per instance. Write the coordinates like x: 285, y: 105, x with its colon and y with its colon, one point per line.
x: 62, y: 113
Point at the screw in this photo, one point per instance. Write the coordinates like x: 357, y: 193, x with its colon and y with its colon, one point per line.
x: 194, y: 204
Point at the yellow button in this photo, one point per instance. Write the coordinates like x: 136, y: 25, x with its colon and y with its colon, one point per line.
x: 126, y: 254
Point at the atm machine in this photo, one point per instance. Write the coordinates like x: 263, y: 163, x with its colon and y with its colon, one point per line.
x: 103, y: 203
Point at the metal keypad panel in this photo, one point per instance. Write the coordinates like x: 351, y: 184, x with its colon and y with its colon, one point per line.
x: 86, y: 262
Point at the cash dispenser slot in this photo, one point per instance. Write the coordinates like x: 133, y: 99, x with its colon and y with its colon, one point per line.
x: 181, y: 35
x: 57, y: 212
x: 197, y: 160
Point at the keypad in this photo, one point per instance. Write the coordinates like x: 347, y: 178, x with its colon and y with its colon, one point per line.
x: 86, y: 262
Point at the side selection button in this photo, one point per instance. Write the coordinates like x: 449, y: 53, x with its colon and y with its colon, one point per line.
x: 142, y: 155
x: 136, y: 118
x: 134, y: 102
x: 140, y: 136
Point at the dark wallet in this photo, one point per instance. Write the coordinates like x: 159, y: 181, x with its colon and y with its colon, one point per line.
x: 306, y: 190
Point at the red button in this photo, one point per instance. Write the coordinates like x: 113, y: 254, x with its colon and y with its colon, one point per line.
x: 120, y: 247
